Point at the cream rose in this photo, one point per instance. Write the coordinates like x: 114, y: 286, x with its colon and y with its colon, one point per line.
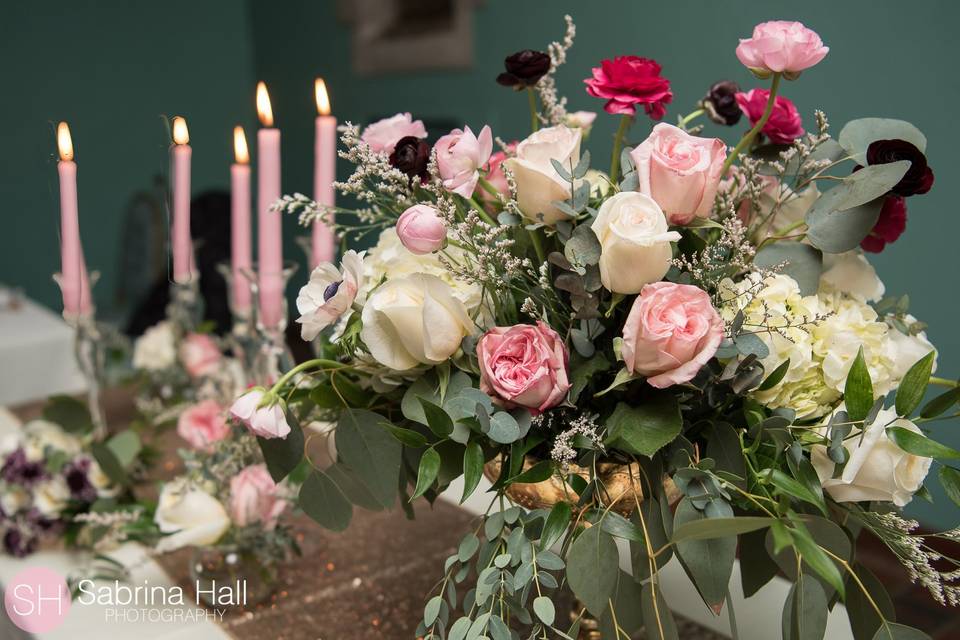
x: 634, y: 240
x: 538, y: 183
x: 191, y: 516
x: 877, y: 468
x: 414, y: 320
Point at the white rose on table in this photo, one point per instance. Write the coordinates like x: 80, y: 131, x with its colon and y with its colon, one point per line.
x: 50, y: 496
x: 877, y: 469
x: 538, y: 183
x: 41, y: 435
x: 156, y: 349
x: 190, y: 515
x: 414, y: 320
x: 635, y: 242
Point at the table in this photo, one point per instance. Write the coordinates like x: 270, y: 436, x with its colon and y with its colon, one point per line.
x: 36, y: 355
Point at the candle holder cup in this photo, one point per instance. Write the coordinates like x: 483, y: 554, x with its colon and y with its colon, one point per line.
x: 271, y: 355
x: 185, y: 309
x: 243, y: 337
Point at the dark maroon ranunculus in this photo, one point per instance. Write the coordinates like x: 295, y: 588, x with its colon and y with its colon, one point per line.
x: 18, y: 470
x: 919, y: 177
x: 627, y: 81
x: 75, y: 475
x: 720, y: 103
x: 411, y: 155
x: 18, y: 544
x: 890, y: 225
x: 524, y: 69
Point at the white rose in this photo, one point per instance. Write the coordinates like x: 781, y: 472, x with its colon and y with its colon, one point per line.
x: 13, y: 498
x: 635, y: 242
x: 600, y: 184
x: 156, y: 348
x: 100, y: 481
x: 39, y: 435
x: 191, y: 516
x: 852, y: 274
x: 414, y: 320
x: 50, y: 497
x: 538, y: 183
x: 877, y: 468
x: 907, y: 350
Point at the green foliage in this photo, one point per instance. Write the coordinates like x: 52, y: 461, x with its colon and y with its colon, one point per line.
x: 863, y: 617
x: 803, y: 263
x: 324, y: 503
x: 920, y: 445
x: 68, y: 412
x: 805, y: 611
x: 914, y: 385
x: 894, y: 631
x: 472, y: 469
x: 657, y: 617
x: 592, y: 568
x: 371, y: 451
x: 427, y: 474
x: 858, y: 390
x: 282, y: 455
x: 857, y: 135
x: 708, y: 561
x: 644, y: 428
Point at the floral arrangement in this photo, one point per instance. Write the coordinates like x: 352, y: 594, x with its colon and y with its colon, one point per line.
x: 688, y: 354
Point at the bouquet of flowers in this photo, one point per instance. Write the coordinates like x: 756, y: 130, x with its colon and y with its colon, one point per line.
x: 687, y: 354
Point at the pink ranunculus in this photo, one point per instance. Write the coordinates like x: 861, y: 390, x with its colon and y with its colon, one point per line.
x: 421, y: 230
x: 627, y: 81
x: 524, y: 366
x: 671, y: 332
x: 495, y: 174
x: 383, y: 135
x: 267, y: 422
x: 680, y: 171
x: 203, y: 424
x: 255, y: 497
x: 781, y: 46
x: 784, y: 125
x: 200, y: 355
x: 460, y: 154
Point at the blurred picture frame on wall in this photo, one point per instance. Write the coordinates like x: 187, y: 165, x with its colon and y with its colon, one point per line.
x: 391, y: 36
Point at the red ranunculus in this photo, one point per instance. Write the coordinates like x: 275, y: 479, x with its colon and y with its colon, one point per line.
x: 784, y: 125
x: 627, y: 81
x: 891, y: 223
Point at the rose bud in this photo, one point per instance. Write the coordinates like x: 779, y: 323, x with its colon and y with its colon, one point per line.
x: 720, y: 103
x: 524, y: 69
x: 411, y: 156
x: 421, y: 230
x: 919, y: 177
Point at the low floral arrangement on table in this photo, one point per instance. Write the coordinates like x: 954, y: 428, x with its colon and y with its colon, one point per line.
x: 689, y: 354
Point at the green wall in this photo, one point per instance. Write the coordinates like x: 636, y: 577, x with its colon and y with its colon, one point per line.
x: 112, y: 67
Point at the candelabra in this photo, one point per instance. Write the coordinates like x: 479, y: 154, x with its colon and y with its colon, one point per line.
x: 270, y: 356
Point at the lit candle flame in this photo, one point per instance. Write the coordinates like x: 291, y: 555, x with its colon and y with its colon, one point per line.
x: 263, y: 105
x: 64, y: 141
x: 240, y: 146
x: 180, y: 134
x: 323, y: 100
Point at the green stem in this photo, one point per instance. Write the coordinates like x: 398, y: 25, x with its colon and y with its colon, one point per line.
x: 481, y: 212
x: 489, y: 188
x: 944, y: 382
x: 303, y: 366
x: 532, y: 100
x: 693, y: 115
x: 537, y: 246
x: 617, y: 144
x: 747, y: 139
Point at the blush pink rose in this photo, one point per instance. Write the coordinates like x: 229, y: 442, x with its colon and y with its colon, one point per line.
x: 627, y: 81
x: 671, y: 332
x: 203, y: 424
x: 524, y: 366
x: 267, y: 421
x: 460, y: 154
x: 200, y: 355
x: 421, y: 230
x: 784, y: 125
x: 781, y: 46
x: 679, y: 171
x: 383, y: 135
x: 255, y: 497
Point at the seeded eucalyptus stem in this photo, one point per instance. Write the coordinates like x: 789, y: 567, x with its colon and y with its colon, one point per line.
x: 532, y: 100
x: 625, y: 122
x: 747, y: 139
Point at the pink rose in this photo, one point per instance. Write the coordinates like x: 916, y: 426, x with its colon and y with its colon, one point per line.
x: 671, y: 332
x: 627, y: 81
x: 255, y: 497
x: 383, y: 135
x: 783, y: 47
x: 200, y: 355
x: 524, y: 366
x: 267, y: 421
x: 784, y: 125
x: 421, y: 230
x: 495, y: 175
x: 680, y: 171
x: 460, y: 154
x: 203, y: 424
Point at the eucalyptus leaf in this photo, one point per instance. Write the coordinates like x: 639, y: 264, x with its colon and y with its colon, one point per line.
x: 804, y: 263
x: 709, y: 528
x: 68, y: 412
x: 427, y: 474
x: 544, y: 609
x: 555, y: 525
x: 894, y: 631
x: 504, y: 428
x: 324, y: 503
x: 863, y: 617
x: 369, y: 449
x: 592, y: 565
x: 805, y: 611
x: 657, y: 618
x: 708, y: 562
x: 857, y: 135
x: 472, y: 469
x: 941, y: 403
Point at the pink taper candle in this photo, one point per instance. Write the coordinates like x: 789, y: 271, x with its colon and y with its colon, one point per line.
x: 270, y: 239
x: 180, y: 154
x: 324, y: 173
x: 240, y: 258
x: 73, y: 280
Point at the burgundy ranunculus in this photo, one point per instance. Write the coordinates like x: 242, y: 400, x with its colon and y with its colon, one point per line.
x: 919, y: 177
x: 720, y: 103
x: 891, y: 223
x: 18, y: 544
x: 411, y: 155
x: 524, y: 69
x: 18, y: 470
x: 75, y: 475
x: 784, y: 125
x: 627, y: 81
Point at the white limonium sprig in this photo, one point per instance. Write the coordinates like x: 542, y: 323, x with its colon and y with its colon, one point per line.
x: 554, y: 109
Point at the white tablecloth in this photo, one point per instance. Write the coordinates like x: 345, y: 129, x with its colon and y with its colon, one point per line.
x: 36, y: 355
